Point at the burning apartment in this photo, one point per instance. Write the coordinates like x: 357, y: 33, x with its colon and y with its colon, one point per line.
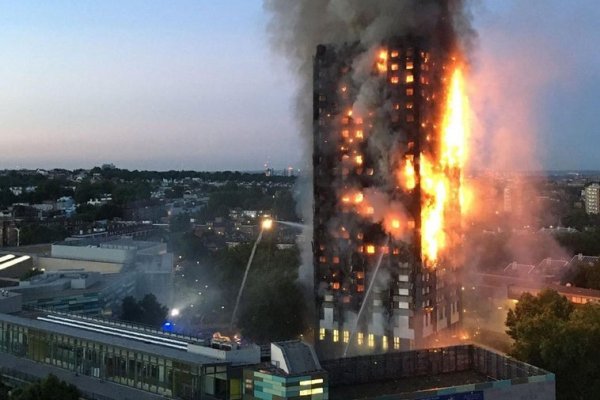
x: 389, y: 133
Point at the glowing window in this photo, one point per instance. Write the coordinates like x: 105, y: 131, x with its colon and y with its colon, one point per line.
x: 336, y: 335
x: 396, y: 343
x: 360, y: 338
x: 410, y: 91
x: 309, y: 392
x: 410, y: 65
x: 410, y: 78
x: 371, y: 340
x: 346, y: 336
x: 312, y: 382
x: 322, y: 334
x: 409, y: 106
x: 395, y: 80
x: 394, y: 67
x: 384, y: 343
x: 394, y: 54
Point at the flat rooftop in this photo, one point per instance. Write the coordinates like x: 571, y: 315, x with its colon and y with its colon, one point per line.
x: 427, y: 373
x: 134, y: 337
x: 111, y: 243
x: 41, y: 286
x: 407, y: 385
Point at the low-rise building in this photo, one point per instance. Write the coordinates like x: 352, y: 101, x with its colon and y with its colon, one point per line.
x: 77, y: 291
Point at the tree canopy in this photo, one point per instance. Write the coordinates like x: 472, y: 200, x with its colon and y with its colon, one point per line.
x: 147, y: 311
x: 584, y: 276
x: 549, y: 332
x: 49, y: 388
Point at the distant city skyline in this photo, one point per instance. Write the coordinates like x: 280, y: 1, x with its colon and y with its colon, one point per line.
x: 194, y: 85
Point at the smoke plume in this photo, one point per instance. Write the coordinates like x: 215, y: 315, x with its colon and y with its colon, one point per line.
x: 296, y: 29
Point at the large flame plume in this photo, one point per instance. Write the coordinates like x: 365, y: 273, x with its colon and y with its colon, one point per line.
x: 442, y: 176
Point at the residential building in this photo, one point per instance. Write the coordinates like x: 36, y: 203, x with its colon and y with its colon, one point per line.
x: 368, y: 215
x: 591, y: 198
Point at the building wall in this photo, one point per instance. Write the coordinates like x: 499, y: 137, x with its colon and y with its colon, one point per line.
x: 592, y: 198
x: 416, y: 299
x: 148, y: 372
x: 81, y: 304
x: 56, y: 264
x: 544, y: 390
x: 110, y: 255
x: 266, y: 386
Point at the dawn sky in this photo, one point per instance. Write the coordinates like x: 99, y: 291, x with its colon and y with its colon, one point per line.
x: 193, y: 85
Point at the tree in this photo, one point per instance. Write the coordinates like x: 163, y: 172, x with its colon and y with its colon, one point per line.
x: 534, y: 320
x: 4, y: 390
x: 180, y: 223
x: 36, y: 233
x: 130, y: 309
x: 273, y: 312
x: 153, y: 313
x: 49, y: 388
x: 551, y: 333
x: 272, y: 306
x: 584, y: 276
x: 147, y: 311
x: 176, y: 192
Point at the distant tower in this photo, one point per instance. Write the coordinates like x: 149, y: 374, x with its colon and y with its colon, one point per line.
x: 368, y: 199
x: 591, y: 196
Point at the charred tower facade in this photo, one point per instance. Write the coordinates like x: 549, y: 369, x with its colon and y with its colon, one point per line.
x: 377, y: 141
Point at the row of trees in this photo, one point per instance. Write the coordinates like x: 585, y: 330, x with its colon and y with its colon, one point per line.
x: 551, y: 333
x: 231, y: 196
x: 49, y: 388
x: 219, y: 176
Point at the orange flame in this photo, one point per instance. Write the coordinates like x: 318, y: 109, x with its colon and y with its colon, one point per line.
x: 441, y: 179
x: 382, y: 61
x: 408, y: 176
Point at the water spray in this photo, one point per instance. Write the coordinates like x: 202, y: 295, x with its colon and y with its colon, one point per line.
x: 266, y: 224
x: 366, y: 299
x: 293, y: 224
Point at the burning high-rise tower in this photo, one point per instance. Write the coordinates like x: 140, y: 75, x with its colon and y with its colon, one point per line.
x: 387, y: 144
x: 388, y: 158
